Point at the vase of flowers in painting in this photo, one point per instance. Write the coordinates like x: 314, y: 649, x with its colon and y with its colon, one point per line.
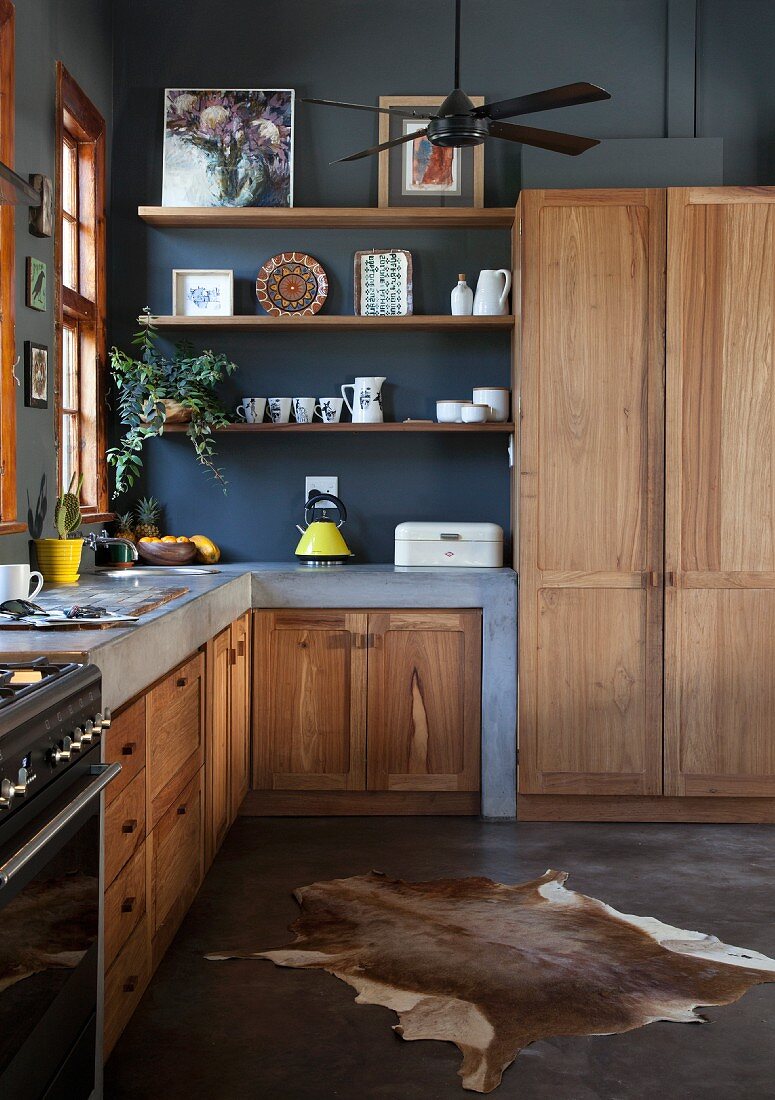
x: 228, y: 148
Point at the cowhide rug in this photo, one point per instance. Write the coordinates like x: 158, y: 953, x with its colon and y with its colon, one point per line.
x: 492, y: 967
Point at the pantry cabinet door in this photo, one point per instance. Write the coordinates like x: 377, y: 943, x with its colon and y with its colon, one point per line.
x: 424, y: 700
x: 591, y: 477
x: 309, y: 700
x: 720, y: 503
x: 218, y: 745
x: 239, y: 716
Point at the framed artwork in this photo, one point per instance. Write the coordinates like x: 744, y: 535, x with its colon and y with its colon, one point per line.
x: 421, y: 174
x: 383, y: 283
x: 228, y: 147
x: 36, y: 284
x: 208, y: 293
x: 35, y: 375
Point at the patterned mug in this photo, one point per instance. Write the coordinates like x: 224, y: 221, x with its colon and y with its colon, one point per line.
x: 330, y: 409
x: 280, y: 409
x: 304, y: 409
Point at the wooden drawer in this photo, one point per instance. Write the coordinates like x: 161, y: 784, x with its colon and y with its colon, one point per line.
x: 124, y: 744
x: 125, y: 983
x: 124, y: 826
x: 125, y: 904
x: 176, y: 863
x: 175, y: 734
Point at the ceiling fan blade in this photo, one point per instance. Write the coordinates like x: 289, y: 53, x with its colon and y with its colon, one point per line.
x: 384, y: 145
x: 363, y: 107
x: 568, y: 95
x: 570, y: 144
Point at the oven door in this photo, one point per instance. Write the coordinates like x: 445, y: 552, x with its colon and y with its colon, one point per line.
x: 49, y: 925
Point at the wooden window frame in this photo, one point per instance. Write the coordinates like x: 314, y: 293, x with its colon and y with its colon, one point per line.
x: 77, y: 116
x: 8, y: 522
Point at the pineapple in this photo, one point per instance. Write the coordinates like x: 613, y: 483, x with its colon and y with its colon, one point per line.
x: 148, y: 512
x: 125, y: 526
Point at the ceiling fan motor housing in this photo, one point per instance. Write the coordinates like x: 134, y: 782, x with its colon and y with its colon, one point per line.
x: 456, y: 125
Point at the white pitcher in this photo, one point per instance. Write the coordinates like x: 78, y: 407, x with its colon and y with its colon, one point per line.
x: 492, y: 293
x: 367, y: 400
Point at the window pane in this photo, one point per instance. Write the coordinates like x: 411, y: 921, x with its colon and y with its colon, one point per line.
x: 69, y: 367
x: 69, y: 254
x: 69, y: 447
x: 69, y: 177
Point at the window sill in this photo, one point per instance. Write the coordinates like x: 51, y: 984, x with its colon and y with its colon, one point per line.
x: 97, y: 517
x: 12, y: 527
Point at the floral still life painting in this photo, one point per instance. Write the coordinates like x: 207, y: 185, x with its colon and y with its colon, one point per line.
x: 228, y: 147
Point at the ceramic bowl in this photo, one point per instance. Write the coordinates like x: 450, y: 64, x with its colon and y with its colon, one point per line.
x: 475, y: 414
x: 167, y: 553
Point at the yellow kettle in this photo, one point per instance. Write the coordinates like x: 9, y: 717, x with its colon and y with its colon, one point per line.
x: 321, y: 541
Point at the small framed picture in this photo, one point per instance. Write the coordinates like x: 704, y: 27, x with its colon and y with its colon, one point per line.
x: 202, y: 293
x: 418, y: 173
x: 36, y: 284
x: 35, y: 375
x: 383, y: 283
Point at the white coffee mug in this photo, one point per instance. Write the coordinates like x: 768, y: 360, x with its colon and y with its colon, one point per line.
x: 330, y: 409
x: 252, y: 409
x: 474, y: 414
x: 497, y: 398
x: 448, y: 410
x: 280, y: 409
x: 304, y: 409
x: 15, y: 582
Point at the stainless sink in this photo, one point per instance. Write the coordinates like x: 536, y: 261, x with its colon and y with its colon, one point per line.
x: 157, y: 571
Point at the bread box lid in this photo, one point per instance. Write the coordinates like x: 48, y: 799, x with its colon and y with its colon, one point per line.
x: 440, y: 531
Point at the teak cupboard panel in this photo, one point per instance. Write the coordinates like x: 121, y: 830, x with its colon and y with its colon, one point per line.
x: 175, y: 716
x: 177, y: 862
x: 218, y: 745
x: 590, y: 558
x: 424, y: 672
x: 309, y: 700
x: 720, y: 514
x: 239, y: 712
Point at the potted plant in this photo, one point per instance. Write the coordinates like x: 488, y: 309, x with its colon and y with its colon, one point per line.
x: 154, y: 390
x: 59, y: 559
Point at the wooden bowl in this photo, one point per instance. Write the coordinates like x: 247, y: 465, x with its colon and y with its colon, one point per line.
x: 167, y: 553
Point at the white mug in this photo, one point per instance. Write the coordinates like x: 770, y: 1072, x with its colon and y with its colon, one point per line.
x: 15, y: 582
x: 474, y: 414
x: 280, y: 409
x: 497, y: 398
x: 448, y: 411
x: 367, y: 400
x: 252, y: 409
x: 330, y: 409
x: 304, y: 409
x: 492, y: 293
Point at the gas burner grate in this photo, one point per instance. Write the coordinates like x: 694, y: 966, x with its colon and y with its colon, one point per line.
x: 18, y: 679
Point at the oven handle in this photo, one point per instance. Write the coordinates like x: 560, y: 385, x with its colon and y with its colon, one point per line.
x: 104, y: 773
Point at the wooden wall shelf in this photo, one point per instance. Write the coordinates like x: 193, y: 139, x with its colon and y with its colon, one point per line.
x: 332, y: 323
x: 328, y: 217
x: 331, y: 429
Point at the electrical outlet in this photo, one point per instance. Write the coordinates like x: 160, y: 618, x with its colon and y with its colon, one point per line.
x: 322, y: 484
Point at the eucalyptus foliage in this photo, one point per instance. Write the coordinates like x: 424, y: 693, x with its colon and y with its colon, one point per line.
x: 145, y: 380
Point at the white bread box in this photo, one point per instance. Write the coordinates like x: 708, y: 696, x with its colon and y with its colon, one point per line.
x: 439, y: 543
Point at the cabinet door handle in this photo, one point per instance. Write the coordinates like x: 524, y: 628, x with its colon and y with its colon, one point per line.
x: 128, y: 749
x: 182, y: 809
x: 241, y: 648
x: 128, y: 904
x: 129, y: 826
x: 670, y: 579
x: 182, y: 681
x: 232, y: 656
x: 653, y: 579
x: 130, y: 985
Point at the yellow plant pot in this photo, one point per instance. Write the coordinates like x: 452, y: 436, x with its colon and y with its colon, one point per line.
x: 59, y: 559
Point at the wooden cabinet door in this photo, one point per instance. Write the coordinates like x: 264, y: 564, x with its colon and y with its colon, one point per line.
x: 218, y: 751
x: 424, y: 678
x: 591, y: 476
x: 720, y: 503
x: 309, y: 700
x: 176, y: 861
x: 239, y: 704
x: 174, y: 734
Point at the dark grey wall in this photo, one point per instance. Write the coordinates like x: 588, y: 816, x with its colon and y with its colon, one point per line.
x: 77, y: 32
x: 355, y: 50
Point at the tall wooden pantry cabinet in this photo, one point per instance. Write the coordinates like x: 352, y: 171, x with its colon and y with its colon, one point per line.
x: 647, y: 504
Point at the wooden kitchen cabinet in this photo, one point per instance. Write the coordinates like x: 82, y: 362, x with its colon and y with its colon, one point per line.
x: 125, y: 983
x: 176, y: 864
x: 175, y: 711
x: 239, y: 713
x: 218, y: 657
x: 424, y: 709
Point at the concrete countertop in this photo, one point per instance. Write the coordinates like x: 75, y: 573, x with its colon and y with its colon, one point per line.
x: 132, y: 657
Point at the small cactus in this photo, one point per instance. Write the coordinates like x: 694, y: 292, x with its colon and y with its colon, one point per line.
x: 67, y: 510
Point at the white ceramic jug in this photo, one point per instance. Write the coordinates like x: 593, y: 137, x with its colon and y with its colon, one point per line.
x: 367, y: 400
x: 492, y: 293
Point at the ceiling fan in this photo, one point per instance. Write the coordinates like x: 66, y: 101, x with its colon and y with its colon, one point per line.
x: 459, y: 123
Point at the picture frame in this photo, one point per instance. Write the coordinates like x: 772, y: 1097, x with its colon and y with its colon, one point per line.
x: 35, y: 284
x: 205, y: 292
x: 456, y: 175
x: 35, y: 375
x: 383, y: 282
x: 202, y: 128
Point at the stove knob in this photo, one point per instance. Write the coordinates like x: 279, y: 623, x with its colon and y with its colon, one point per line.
x: 20, y: 786
x: 87, y: 734
x: 62, y: 751
x: 7, y: 793
x: 77, y: 738
x: 106, y: 721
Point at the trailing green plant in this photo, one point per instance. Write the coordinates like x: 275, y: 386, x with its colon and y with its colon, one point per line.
x: 67, y: 509
x: 145, y: 380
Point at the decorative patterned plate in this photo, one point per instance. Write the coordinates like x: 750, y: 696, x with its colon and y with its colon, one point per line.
x: 291, y: 285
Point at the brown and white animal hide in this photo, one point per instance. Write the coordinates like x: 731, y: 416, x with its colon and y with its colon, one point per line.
x: 50, y: 924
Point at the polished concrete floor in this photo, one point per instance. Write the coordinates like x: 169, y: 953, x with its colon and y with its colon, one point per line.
x: 246, y: 1029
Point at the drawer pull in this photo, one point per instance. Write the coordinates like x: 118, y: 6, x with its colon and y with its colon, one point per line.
x: 182, y: 681
x: 128, y: 749
x: 182, y: 809
x: 130, y: 985
x: 232, y: 656
x: 129, y: 826
x: 128, y: 904
x: 241, y: 648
